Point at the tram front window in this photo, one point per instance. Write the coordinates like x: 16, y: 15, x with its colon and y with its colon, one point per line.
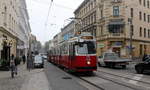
x: 86, y: 48
x: 91, y: 48
x: 82, y: 49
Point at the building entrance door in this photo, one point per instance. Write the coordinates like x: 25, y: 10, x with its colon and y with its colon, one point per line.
x: 5, y: 53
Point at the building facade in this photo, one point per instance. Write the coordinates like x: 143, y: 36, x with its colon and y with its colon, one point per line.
x: 8, y: 28
x: 86, y: 17
x: 68, y: 31
x: 10, y: 32
x: 24, y: 29
x: 116, y: 22
x: 35, y: 45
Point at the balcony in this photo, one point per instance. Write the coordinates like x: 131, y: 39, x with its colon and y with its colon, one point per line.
x: 116, y: 35
x: 111, y: 36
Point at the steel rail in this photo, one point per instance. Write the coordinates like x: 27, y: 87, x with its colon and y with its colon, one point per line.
x: 124, y: 77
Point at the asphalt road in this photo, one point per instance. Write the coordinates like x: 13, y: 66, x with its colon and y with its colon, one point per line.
x: 60, y: 80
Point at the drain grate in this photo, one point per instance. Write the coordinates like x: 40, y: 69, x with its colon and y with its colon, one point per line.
x: 66, y: 78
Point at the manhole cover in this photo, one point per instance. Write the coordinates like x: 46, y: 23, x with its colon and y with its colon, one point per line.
x: 66, y: 78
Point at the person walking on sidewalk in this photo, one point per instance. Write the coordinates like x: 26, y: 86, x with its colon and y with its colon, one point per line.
x: 24, y: 59
x: 13, y: 66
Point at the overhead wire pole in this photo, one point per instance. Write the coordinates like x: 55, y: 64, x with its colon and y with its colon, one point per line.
x: 48, y: 14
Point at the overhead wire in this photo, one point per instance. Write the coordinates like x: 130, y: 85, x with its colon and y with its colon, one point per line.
x: 56, y: 5
x: 48, y: 13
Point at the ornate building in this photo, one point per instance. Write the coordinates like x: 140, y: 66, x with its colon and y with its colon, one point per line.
x: 119, y: 25
x: 11, y: 31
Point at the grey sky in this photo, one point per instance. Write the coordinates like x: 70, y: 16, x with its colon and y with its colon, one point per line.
x: 60, y: 11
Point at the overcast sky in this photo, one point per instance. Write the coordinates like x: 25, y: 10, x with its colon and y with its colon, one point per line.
x: 60, y: 11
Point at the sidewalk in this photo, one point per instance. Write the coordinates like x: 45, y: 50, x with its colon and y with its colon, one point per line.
x: 25, y: 80
x: 21, y: 70
x: 7, y: 83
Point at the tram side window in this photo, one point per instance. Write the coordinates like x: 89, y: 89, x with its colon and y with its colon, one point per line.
x: 71, y: 50
x: 64, y: 49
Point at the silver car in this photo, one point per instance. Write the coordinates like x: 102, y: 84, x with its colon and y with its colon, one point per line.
x: 38, y: 61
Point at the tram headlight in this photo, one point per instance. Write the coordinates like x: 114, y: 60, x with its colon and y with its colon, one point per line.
x: 88, y: 62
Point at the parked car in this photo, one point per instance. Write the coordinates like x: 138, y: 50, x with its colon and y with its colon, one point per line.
x: 144, y: 65
x: 44, y: 57
x: 38, y: 61
x: 111, y: 59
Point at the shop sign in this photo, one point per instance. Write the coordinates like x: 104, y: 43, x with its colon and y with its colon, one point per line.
x: 101, y: 45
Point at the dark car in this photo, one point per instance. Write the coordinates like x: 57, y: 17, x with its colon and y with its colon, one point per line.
x: 38, y: 61
x: 144, y: 65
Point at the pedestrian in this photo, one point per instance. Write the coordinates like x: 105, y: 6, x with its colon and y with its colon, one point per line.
x: 13, y: 66
x: 24, y: 59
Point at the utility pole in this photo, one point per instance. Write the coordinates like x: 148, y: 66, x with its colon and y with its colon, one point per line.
x: 131, y: 37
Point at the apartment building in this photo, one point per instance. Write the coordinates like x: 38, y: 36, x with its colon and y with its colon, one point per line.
x: 86, y: 17
x: 10, y: 31
x: 24, y: 29
x: 68, y: 31
x: 116, y: 21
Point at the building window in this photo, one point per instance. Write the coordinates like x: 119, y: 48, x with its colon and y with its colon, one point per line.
x: 148, y: 33
x: 140, y: 2
x: 115, y: 28
x: 144, y: 3
x: 116, y: 11
x: 148, y: 16
x: 140, y: 31
x: 94, y: 17
x: 101, y: 30
x: 131, y: 12
x: 132, y: 29
x: 144, y: 16
x: 101, y: 13
x: 144, y: 32
x: 140, y: 15
x: 148, y: 6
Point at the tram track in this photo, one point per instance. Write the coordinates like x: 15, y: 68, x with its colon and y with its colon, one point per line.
x: 124, y: 77
x: 87, y: 81
x: 110, y: 80
x: 116, y: 82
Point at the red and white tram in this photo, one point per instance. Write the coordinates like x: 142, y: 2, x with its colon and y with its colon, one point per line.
x: 77, y: 54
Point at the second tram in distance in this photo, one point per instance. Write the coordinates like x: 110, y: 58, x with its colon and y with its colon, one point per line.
x: 77, y: 54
